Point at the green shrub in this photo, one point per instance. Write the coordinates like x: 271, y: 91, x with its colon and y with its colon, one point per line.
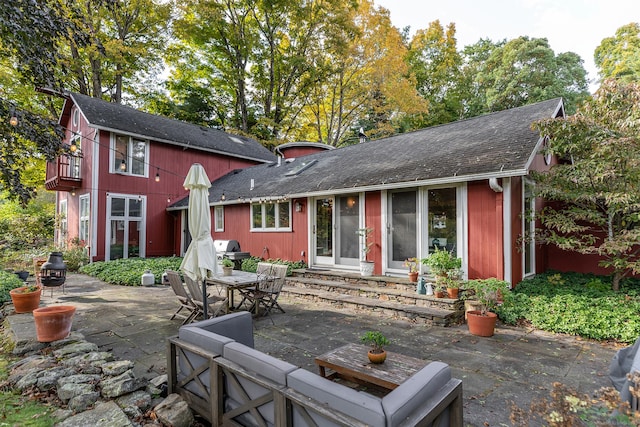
x: 8, y: 281
x: 251, y: 264
x: 577, y: 304
x: 128, y: 272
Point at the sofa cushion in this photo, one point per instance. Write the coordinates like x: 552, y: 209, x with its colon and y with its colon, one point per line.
x: 359, y: 405
x: 414, y: 392
x: 262, y: 364
x: 237, y: 326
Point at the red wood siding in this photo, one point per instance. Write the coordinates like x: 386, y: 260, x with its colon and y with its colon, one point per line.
x: 287, y: 245
x: 516, y: 229
x: 294, y: 152
x: 485, y: 231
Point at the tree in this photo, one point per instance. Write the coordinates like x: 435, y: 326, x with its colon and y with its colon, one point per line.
x: 595, y: 191
x: 619, y: 56
x: 435, y: 61
x: 525, y: 70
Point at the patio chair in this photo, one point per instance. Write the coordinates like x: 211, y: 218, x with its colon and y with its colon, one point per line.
x: 186, y: 303
x: 216, y: 304
x: 266, y: 293
x: 263, y: 270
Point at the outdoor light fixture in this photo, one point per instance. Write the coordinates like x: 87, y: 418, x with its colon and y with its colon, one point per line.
x: 73, y: 147
x: 298, y: 207
x: 13, y: 121
x: 158, y: 175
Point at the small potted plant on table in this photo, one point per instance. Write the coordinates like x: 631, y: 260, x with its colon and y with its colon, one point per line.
x: 377, y: 341
x: 227, y: 267
x: 412, y: 263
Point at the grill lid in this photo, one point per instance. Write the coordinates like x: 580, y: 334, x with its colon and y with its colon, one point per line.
x: 226, y: 245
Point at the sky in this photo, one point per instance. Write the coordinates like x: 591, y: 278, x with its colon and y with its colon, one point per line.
x: 569, y: 25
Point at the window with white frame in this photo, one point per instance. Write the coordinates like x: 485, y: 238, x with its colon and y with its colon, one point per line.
x: 218, y: 218
x: 83, y: 231
x: 529, y: 227
x: 129, y: 155
x: 271, y: 216
x: 63, y: 231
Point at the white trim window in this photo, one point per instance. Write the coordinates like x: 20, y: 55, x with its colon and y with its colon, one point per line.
x: 218, y: 218
x: 63, y: 231
x: 125, y: 228
x: 271, y: 216
x: 129, y: 155
x: 83, y: 229
x: 529, y: 228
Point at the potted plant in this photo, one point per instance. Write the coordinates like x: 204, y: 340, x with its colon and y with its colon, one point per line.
x: 452, y: 283
x: 377, y: 341
x: 366, y: 266
x: 489, y: 293
x: 227, y: 267
x: 413, y: 265
x: 25, y: 298
x: 440, y: 290
x: 445, y: 266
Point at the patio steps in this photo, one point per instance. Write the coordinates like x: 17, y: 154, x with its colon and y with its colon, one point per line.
x: 388, y: 296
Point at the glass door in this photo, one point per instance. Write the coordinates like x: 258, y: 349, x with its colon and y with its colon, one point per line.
x: 323, y: 231
x: 125, y: 227
x: 347, y: 218
x: 402, y: 227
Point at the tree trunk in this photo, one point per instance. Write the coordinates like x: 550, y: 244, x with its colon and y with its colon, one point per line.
x: 615, y: 282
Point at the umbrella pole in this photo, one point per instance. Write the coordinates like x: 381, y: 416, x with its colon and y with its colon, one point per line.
x: 204, y: 299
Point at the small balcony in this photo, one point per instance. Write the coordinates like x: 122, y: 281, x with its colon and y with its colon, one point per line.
x: 64, y: 174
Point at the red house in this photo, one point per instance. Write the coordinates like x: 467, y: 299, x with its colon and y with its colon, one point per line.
x: 462, y: 186
x: 125, y: 168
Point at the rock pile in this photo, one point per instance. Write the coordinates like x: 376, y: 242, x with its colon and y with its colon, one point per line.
x: 91, y: 388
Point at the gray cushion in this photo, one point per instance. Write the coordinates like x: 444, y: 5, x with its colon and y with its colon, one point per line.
x: 362, y: 406
x: 262, y: 364
x: 237, y: 326
x: 416, y: 390
x: 204, y: 339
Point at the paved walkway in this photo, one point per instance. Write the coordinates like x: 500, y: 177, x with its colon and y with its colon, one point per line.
x: 516, y: 365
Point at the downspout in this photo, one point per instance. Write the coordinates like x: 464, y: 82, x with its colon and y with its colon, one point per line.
x: 493, y: 183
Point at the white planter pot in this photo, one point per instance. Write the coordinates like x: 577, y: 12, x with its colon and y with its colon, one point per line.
x: 366, y: 268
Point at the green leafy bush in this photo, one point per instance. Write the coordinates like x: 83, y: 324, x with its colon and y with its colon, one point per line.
x: 128, y: 272
x: 8, y: 281
x: 251, y: 264
x: 577, y: 304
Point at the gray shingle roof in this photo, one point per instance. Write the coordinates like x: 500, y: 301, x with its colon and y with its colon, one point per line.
x: 117, y: 117
x: 496, y: 144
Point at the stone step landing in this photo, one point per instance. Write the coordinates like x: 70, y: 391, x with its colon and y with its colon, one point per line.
x: 389, y: 296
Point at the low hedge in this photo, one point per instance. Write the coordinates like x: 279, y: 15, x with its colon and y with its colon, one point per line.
x: 8, y: 281
x: 128, y: 272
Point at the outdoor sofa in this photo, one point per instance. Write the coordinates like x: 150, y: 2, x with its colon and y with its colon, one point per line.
x: 212, y: 364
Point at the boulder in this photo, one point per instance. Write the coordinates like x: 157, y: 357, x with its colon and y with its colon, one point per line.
x: 174, y: 411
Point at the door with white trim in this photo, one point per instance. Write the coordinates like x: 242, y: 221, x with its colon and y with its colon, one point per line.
x: 125, y: 227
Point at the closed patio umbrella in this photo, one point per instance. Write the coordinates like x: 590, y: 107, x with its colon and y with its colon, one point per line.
x: 200, y: 257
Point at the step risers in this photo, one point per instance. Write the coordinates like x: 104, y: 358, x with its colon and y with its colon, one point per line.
x: 391, y: 298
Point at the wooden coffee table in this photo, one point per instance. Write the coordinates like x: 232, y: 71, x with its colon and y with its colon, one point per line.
x: 350, y: 362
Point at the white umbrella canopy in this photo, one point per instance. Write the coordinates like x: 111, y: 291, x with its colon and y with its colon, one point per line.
x: 200, y: 258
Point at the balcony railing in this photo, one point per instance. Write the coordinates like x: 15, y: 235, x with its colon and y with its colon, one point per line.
x: 64, y: 174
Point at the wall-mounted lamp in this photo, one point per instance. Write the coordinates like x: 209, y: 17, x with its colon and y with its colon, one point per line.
x: 73, y: 147
x: 158, y: 175
x: 73, y: 192
x: 351, y: 201
x: 298, y: 207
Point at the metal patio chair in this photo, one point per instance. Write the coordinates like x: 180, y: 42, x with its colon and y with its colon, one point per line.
x: 216, y: 304
x: 265, y: 294
x: 186, y: 303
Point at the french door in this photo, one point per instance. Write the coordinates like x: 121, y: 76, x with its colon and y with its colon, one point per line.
x: 125, y: 227
x: 402, y: 227
x: 336, y: 222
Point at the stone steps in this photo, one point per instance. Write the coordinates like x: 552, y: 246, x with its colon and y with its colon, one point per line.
x: 389, y: 296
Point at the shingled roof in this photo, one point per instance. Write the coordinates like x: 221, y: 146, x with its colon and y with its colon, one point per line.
x: 120, y: 118
x: 499, y: 144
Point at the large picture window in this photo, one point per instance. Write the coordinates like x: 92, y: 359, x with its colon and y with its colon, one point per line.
x: 83, y: 232
x: 129, y: 155
x: 271, y: 216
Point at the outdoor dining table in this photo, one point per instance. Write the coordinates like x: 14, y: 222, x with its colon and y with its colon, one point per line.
x: 238, y: 280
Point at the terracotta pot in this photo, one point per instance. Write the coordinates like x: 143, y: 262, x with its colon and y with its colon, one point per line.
x: 413, y: 276
x: 439, y: 294
x: 377, y: 357
x: 453, y: 293
x: 25, y: 302
x: 482, y: 326
x: 53, y: 323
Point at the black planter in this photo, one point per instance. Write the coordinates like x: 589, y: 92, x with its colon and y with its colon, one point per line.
x: 23, y: 275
